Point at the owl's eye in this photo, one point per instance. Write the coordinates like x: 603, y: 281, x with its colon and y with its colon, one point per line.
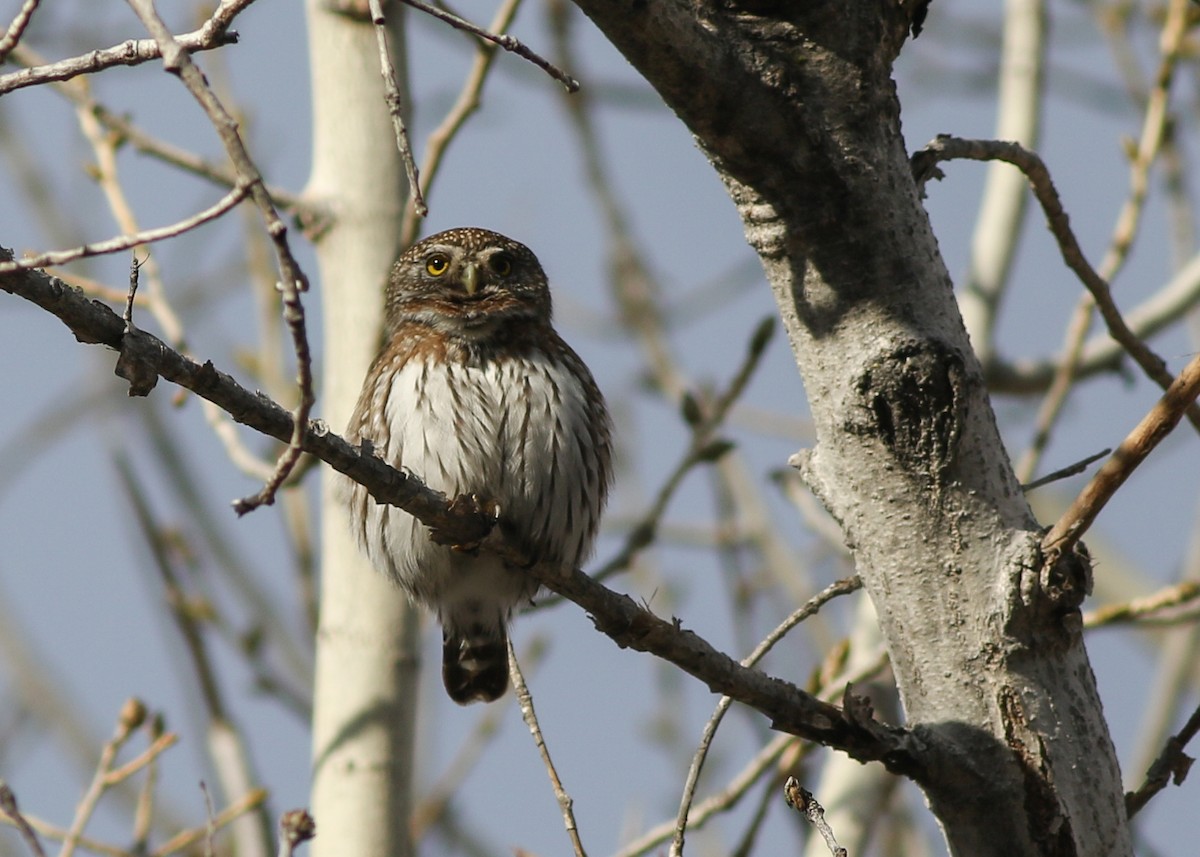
x: 501, y: 264
x: 437, y: 264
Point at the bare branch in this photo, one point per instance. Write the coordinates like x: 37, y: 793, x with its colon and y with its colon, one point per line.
x: 628, y: 624
x: 1155, y: 426
x: 1147, y: 609
x: 1172, y: 765
x: 945, y: 148
x: 17, y: 28
x: 801, y: 800
x: 292, y: 279
x: 509, y: 43
x: 1065, y: 472
x: 841, y: 587
x: 214, y: 34
x: 8, y: 806
x: 395, y: 105
x: 465, y: 105
x: 525, y: 702
x: 126, y: 242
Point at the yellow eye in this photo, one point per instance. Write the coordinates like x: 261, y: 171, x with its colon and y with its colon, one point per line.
x: 437, y: 264
x: 501, y: 264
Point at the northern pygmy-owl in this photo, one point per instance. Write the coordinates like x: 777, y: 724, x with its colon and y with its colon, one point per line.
x: 475, y: 393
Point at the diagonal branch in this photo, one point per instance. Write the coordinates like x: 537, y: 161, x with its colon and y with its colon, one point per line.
x: 945, y: 147
x: 215, y: 33
x: 790, y: 709
x: 292, y: 281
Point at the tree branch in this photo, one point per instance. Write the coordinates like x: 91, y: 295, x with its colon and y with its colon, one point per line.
x: 849, y: 728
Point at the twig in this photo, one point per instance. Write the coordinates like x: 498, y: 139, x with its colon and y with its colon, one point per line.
x: 740, y: 784
x: 431, y: 808
x: 210, y: 824
x: 800, y: 799
x: 505, y: 41
x: 1065, y: 472
x: 124, y: 131
x: 702, y: 448
x: 1155, y: 426
x: 226, y: 748
x: 214, y: 34
x: 1154, y: 127
x: 17, y: 28
x: 134, y: 267
x: 395, y: 105
x: 296, y: 826
x: 159, y: 746
x: 292, y: 279
x: 1144, y: 609
x: 250, y: 802
x: 131, y: 717
x: 1172, y: 765
x: 841, y: 587
x: 466, y: 104
x: 126, y: 242
x: 525, y: 701
x: 8, y: 805
x: 945, y: 147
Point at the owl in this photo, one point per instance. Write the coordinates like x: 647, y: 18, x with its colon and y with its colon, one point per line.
x: 475, y: 393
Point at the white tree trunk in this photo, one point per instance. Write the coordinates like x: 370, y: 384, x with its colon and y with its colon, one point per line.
x: 364, y: 706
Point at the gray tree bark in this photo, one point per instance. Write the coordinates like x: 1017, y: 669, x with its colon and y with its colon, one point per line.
x: 795, y: 106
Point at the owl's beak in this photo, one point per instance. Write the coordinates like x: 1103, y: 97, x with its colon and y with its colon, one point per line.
x: 470, y: 278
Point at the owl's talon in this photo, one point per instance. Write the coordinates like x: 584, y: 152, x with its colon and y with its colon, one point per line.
x: 466, y: 507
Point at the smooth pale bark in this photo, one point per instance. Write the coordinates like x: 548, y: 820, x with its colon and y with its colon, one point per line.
x: 364, y: 707
x: 794, y: 105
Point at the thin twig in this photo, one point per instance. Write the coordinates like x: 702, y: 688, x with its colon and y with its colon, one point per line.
x: 395, y: 106
x: 509, y: 43
x: 1155, y: 426
x: 17, y: 28
x: 227, y: 749
x: 1154, y: 129
x: 1064, y: 472
x: 801, y: 799
x: 125, y: 131
x: 251, y: 801
x: 525, y: 701
x: 159, y: 746
x: 431, y: 809
x: 214, y: 34
x: 464, y: 106
x: 1172, y: 765
x: 126, y: 242
x: 834, y: 590
x: 131, y: 717
x: 703, y: 448
x: 741, y: 783
x: 947, y: 148
x: 8, y: 806
x: 1144, y: 609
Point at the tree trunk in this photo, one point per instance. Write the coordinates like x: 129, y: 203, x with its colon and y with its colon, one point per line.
x: 364, y: 706
x: 795, y: 106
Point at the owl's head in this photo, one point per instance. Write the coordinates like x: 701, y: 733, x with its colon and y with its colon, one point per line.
x: 468, y: 282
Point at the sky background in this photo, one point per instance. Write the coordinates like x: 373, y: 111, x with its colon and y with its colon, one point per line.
x: 77, y: 584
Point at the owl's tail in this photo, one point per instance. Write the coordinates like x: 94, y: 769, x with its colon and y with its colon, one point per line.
x: 475, y: 663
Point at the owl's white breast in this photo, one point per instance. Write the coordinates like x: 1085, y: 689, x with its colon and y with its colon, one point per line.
x: 515, y: 431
